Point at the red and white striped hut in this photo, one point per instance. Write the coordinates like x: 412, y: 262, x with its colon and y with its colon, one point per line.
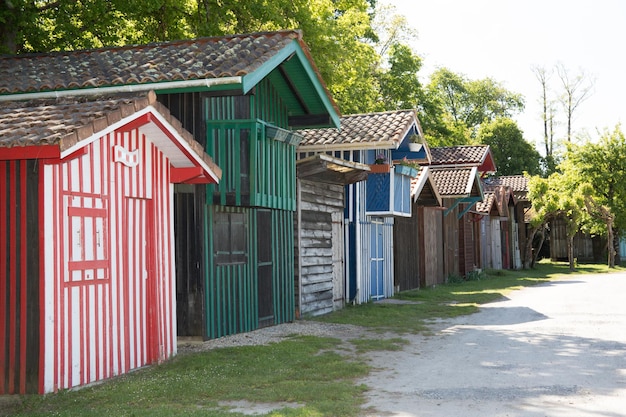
x: 86, y: 237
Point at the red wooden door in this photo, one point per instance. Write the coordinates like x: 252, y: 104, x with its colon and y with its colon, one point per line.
x: 140, y: 284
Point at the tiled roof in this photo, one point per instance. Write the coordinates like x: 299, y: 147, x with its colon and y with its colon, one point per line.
x: 518, y: 183
x: 197, y: 59
x: 484, y: 206
x: 65, y: 122
x: 372, y: 130
x: 459, y: 155
x: 423, y: 189
x: 455, y: 182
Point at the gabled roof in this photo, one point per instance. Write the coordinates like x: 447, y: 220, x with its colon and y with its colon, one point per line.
x: 496, y: 199
x: 517, y: 183
x: 57, y: 128
x: 457, y: 182
x: 469, y: 156
x: 384, y: 130
x: 488, y: 203
x: 424, y: 190
x: 235, y: 64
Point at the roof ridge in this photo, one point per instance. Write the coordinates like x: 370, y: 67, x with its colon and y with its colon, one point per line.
x: 148, y: 45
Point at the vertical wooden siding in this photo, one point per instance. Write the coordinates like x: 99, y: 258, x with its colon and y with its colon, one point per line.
x: 431, y: 246
x: 467, y: 262
x: 234, y: 298
x: 19, y: 277
x: 109, y: 263
x: 407, y: 259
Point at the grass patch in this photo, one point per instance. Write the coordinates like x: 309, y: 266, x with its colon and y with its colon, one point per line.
x: 452, y: 300
x: 304, y: 370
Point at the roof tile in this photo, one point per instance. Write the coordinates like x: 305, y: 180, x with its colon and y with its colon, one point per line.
x: 452, y: 181
x: 213, y: 57
x: 386, y: 129
x: 459, y: 155
x: 67, y: 121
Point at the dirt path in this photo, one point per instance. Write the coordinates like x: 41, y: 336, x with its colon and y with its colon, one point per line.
x: 554, y: 350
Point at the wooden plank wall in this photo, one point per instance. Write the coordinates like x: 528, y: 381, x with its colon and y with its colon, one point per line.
x: 431, y: 251
x: 467, y: 263
x: 249, y: 281
x: 406, y: 257
x: 317, y: 246
x: 109, y: 273
x: 19, y: 277
x: 583, y: 245
x: 451, y: 240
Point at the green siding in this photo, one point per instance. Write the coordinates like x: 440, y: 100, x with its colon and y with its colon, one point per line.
x: 258, y: 174
x: 232, y: 290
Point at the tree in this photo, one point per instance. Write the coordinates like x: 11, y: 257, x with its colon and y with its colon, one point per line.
x: 548, y: 119
x: 555, y: 197
x: 463, y: 105
x: 599, y: 169
x: 576, y: 89
x: 512, y: 153
x: 399, y: 86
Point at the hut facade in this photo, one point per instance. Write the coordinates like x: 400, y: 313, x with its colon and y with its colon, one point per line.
x: 371, y: 205
x: 86, y: 194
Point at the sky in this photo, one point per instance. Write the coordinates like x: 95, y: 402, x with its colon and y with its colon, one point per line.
x: 505, y: 39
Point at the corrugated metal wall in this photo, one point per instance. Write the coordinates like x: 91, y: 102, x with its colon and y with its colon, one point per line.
x: 19, y: 277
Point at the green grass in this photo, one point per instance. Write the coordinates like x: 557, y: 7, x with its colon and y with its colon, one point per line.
x: 451, y: 300
x: 303, y: 370
x: 318, y: 373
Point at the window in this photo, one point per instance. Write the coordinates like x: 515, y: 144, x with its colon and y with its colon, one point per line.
x: 230, y: 238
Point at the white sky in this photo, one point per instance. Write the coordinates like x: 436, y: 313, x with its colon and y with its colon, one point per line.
x: 504, y: 39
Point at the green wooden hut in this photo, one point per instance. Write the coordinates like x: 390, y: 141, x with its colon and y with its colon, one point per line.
x: 235, y: 245
x: 240, y: 97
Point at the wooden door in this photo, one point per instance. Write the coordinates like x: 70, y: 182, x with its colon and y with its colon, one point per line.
x: 139, y: 285
x: 338, y: 267
x: 188, y: 227
x: 496, y: 244
x: 377, y: 260
x: 265, y: 267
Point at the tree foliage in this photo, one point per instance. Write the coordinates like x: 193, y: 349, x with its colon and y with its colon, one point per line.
x: 598, y: 168
x: 557, y: 197
x: 512, y: 153
x: 456, y: 107
x: 399, y: 86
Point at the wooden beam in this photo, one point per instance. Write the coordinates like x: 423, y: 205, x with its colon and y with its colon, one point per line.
x: 30, y: 152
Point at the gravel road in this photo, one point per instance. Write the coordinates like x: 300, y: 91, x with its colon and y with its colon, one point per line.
x: 553, y: 350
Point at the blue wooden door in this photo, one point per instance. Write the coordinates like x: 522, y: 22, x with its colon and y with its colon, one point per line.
x: 377, y: 260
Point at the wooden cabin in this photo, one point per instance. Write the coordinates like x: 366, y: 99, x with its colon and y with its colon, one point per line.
x: 241, y: 271
x: 499, y: 242
x: 418, y: 240
x: 319, y: 264
x: 371, y: 205
x: 87, y: 241
x: 461, y: 239
x: 518, y: 188
x: 460, y: 190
